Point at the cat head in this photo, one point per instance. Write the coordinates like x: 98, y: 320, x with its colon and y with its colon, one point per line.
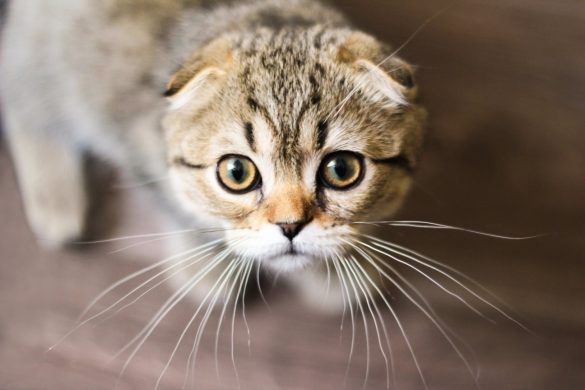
x: 288, y: 138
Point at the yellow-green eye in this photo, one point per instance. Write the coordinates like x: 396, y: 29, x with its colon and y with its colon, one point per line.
x: 237, y: 174
x: 341, y: 170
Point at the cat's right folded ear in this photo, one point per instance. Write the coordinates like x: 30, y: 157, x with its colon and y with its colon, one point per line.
x: 200, y: 76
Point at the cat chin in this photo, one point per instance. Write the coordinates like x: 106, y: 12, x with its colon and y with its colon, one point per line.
x: 288, y: 262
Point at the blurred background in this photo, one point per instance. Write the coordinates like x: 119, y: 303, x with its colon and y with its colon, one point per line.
x: 504, y: 82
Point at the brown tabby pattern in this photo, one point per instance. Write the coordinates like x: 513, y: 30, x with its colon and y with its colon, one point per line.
x: 283, y: 83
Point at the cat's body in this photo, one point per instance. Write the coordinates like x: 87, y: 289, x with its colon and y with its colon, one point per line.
x: 280, y: 84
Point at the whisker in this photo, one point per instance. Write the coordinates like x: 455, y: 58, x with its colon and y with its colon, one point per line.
x: 427, y: 305
x: 415, y: 33
x: 401, y: 328
x: 141, y: 272
x: 364, y: 320
x: 345, y: 304
x: 193, y: 354
x: 157, y: 284
x: 418, y: 259
x: 160, y: 236
x: 369, y: 302
x: 137, y: 244
x: 328, y: 281
x: 423, y: 310
x: 345, y: 289
x: 245, y: 319
x: 343, y: 102
x: 128, y: 186
x: 357, y: 266
x: 243, y: 282
x: 428, y: 277
x: 259, y: 285
x: 236, y: 276
x: 79, y: 321
x: 189, y: 323
x: 433, y: 225
x: 445, y: 267
x: 135, y: 236
x: 143, y: 335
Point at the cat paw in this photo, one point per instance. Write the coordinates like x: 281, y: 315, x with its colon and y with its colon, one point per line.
x: 57, y: 220
x: 51, y: 178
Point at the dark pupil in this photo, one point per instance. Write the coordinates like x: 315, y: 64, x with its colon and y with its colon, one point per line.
x: 237, y: 170
x: 339, y: 168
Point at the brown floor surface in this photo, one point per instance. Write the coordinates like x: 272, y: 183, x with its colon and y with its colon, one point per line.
x: 504, y: 82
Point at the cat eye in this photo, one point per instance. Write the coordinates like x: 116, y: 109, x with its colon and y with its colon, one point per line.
x: 341, y: 170
x: 237, y: 174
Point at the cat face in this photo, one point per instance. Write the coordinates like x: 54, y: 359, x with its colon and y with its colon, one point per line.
x: 287, y: 139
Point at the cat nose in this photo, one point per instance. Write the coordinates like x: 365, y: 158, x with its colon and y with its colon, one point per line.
x: 290, y: 230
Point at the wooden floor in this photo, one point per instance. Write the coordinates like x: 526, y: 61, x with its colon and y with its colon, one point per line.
x: 504, y: 84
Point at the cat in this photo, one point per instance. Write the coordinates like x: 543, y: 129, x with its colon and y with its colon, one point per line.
x: 278, y: 124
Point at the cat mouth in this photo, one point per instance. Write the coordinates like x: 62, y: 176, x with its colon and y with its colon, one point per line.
x: 289, y: 259
x: 291, y: 250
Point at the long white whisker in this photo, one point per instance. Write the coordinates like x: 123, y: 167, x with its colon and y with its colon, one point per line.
x: 345, y: 289
x: 399, y: 324
x: 142, y: 272
x: 355, y: 282
x: 135, y: 236
x: 328, y: 281
x: 157, y: 284
x: 433, y: 225
x: 359, y: 267
x: 259, y: 285
x: 400, y: 327
x: 191, y: 320
x: 143, y: 335
x: 428, y: 277
x: 443, y: 266
x: 418, y: 259
x: 423, y: 310
x: 343, y: 102
x: 137, y: 244
x: 79, y: 321
x: 415, y: 33
x: 352, y: 265
x: 343, y: 313
x: 128, y: 186
x: 236, y: 276
x: 213, y: 290
x: 193, y: 354
x: 243, y: 281
x: 248, y: 276
x: 426, y: 303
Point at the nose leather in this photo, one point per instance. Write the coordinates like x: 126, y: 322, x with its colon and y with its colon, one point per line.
x: 290, y: 230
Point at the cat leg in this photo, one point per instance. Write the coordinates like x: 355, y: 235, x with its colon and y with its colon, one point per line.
x: 51, y: 178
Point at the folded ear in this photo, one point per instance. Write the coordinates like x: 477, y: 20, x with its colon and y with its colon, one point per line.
x: 379, y: 70
x: 198, y: 78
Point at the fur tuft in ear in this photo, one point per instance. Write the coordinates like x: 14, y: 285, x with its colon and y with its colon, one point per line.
x: 380, y: 71
x: 205, y: 66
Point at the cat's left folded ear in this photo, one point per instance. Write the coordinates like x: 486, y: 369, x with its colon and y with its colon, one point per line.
x: 379, y: 69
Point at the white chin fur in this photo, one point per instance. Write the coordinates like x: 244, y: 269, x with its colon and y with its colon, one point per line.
x: 287, y: 263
